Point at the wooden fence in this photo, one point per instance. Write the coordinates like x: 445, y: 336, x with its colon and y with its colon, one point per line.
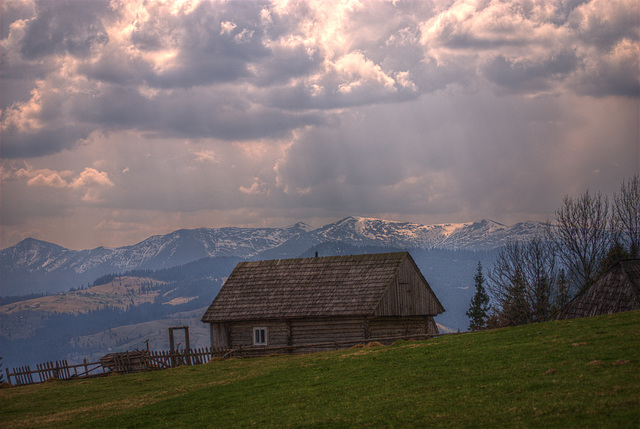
x: 60, y: 370
x: 172, y: 359
x: 125, y: 362
x: 142, y: 360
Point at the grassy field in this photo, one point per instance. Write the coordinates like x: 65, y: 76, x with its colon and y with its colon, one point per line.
x: 578, y: 373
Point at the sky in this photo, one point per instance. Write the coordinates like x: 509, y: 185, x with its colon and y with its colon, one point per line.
x: 125, y: 119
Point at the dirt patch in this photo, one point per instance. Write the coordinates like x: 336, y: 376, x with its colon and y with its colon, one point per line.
x: 578, y: 344
x: 620, y: 362
x: 595, y: 363
x: 367, y: 349
x: 368, y: 345
x: 63, y: 417
x: 550, y: 371
x: 402, y: 342
x: 414, y: 345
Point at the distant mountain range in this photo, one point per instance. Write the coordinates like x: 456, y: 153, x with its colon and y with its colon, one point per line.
x: 34, y: 266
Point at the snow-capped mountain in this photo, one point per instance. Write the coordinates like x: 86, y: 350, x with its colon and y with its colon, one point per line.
x: 33, y: 266
x: 482, y: 235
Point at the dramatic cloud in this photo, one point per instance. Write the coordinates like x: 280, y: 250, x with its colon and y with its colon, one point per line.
x: 89, y: 181
x: 126, y: 118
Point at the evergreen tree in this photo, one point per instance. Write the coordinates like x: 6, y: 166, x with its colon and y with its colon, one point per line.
x: 616, y: 254
x: 563, y: 293
x: 542, y: 299
x: 516, y: 309
x: 479, y: 307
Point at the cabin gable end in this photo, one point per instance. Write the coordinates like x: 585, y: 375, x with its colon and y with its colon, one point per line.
x: 408, y: 294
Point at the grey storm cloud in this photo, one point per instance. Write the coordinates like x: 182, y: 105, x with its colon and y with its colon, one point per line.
x: 257, y: 109
x: 72, y: 26
x: 17, y: 144
x: 526, y: 76
x: 136, y: 69
x: 191, y: 113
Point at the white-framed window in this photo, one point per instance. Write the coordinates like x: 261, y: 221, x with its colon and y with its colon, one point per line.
x: 260, y: 336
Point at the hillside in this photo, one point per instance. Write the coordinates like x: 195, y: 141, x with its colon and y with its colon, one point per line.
x: 118, y: 313
x: 135, y: 336
x: 22, y: 319
x: 124, y: 292
x: 576, y: 373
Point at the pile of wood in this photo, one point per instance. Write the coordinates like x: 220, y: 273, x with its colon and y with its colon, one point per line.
x: 127, y: 362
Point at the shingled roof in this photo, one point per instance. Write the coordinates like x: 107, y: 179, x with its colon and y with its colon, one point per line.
x: 617, y: 290
x: 294, y: 288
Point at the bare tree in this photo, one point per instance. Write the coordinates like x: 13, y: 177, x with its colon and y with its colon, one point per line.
x: 582, y: 236
x: 523, y: 282
x: 530, y: 281
x: 626, y: 215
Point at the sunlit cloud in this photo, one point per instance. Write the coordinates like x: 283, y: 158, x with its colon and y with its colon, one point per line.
x: 89, y: 181
x: 206, y: 156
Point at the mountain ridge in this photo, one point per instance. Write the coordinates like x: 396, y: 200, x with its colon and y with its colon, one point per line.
x: 33, y: 266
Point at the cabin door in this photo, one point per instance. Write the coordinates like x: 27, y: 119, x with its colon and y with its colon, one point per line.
x: 219, y: 336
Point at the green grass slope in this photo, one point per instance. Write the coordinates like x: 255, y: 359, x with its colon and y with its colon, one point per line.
x: 577, y: 373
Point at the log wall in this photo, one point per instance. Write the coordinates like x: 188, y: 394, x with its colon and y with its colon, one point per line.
x: 327, y: 331
x: 293, y: 332
x: 241, y: 333
x: 401, y: 326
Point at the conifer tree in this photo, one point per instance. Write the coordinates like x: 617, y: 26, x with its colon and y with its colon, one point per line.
x: 516, y: 310
x: 563, y: 293
x: 479, y: 307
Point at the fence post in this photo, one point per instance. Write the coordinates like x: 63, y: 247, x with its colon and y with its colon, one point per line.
x: 8, y: 376
x: 64, y: 369
x: 28, y: 378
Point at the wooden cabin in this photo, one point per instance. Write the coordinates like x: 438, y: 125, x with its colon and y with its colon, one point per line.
x: 617, y: 290
x: 324, y: 302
